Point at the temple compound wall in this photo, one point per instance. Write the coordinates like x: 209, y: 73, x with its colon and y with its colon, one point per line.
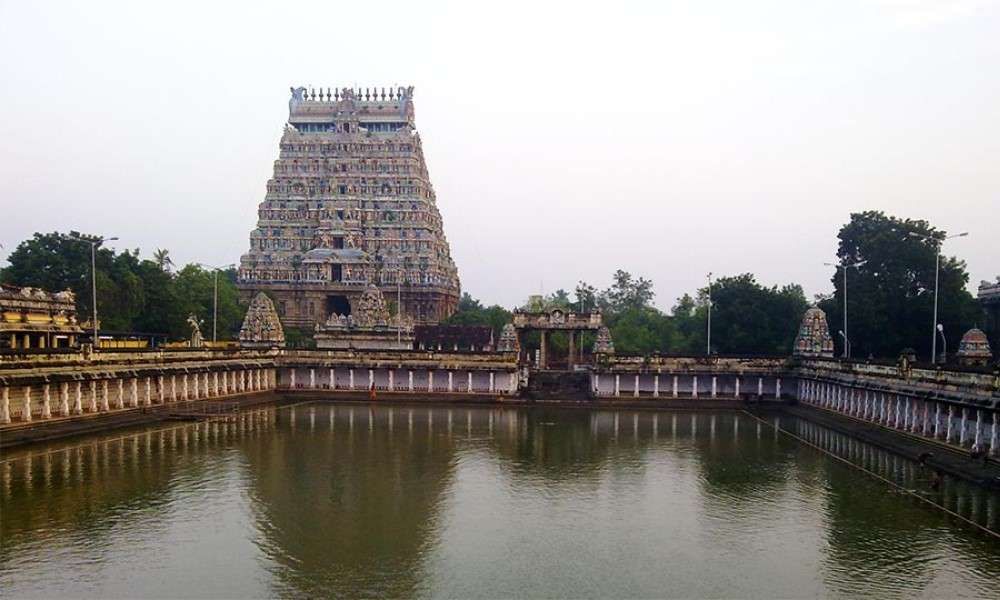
x: 428, y: 372
x: 734, y: 378
x: 961, y: 408
x: 956, y: 407
x: 74, y: 385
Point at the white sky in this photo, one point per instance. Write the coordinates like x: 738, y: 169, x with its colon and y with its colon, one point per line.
x: 564, y: 140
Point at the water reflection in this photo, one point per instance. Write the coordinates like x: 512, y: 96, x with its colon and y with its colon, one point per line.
x: 350, y: 500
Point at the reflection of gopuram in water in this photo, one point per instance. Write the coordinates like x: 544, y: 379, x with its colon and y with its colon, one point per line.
x: 350, y: 499
x: 337, y: 520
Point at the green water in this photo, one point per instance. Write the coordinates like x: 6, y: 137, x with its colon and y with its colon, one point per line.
x: 340, y: 501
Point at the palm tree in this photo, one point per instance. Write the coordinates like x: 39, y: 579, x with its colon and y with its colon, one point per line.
x: 162, y: 258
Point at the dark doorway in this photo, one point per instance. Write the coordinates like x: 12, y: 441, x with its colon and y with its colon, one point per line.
x: 337, y: 275
x: 337, y: 305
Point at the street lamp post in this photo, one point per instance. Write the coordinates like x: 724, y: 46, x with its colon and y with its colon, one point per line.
x: 708, y: 344
x: 847, y: 343
x: 843, y: 332
x: 399, y: 309
x: 937, y: 274
x: 94, y: 243
x: 215, y: 299
x: 944, y: 343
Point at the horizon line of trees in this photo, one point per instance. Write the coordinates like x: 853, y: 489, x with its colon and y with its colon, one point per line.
x: 890, y: 297
x: 890, y: 302
x: 134, y: 294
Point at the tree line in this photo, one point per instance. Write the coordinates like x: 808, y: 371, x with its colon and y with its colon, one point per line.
x: 890, y: 301
x: 890, y: 297
x: 134, y: 294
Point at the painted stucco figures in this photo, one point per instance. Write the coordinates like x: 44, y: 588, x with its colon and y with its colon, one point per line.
x: 974, y: 349
x: 350, y: 203
x: 197, y: 340
x: 508, y: 339
x: 603, y: 344
x: 813, y: 339
x: 261, y: 326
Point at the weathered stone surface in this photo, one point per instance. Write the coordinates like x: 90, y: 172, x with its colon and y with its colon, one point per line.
x: 261, y: 326
x: 33, y: 318
x: 368, y: 328
x: 603, y: 344
x: 350, y: 204
x: 974, y: 349
x: 508, y: 339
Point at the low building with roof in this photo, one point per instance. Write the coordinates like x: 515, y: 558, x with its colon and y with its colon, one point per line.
x: 34, y: 318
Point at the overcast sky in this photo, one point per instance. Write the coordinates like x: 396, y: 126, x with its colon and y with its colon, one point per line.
x: 564, y: 141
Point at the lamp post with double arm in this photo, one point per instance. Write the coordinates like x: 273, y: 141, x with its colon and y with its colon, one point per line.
x: 843, y: 332
x: 215, y: 298
x: 937, y: 273
x: 94, y: 243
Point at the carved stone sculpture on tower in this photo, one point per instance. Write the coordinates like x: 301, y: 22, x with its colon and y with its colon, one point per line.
x: 603, y: 344
x: 813, y: 339
x: 261, y: 327
x: 508, y: 339
x: 371, y: 310
x: 197, y: 341
x: 349, y: 202
x: 974, y: 349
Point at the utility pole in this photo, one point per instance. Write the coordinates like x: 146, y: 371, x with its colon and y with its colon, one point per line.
x: 708, y: 344
x: 215, y: 298
x: 843, y: 332
x: 399, y: 309
x: 937, y: 274
x: 94, y: 243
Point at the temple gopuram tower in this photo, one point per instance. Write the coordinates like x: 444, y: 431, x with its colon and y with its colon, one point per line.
x: 350, y: 204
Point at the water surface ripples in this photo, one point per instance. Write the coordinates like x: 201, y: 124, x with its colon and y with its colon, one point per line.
x: 356, y: 500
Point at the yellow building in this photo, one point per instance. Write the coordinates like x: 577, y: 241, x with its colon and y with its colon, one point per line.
x: 34, y: 318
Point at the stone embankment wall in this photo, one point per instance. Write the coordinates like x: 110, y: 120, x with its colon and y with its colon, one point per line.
x: 693, y: 377
x: 949, y: 406
x: 36, y: 387
x: 960, y: 408
x: 490, y: 373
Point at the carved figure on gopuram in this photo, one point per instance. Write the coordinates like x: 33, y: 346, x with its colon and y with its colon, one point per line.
x: 261, y: 326
x: 603, y: 344
x: 371, y: 310
x: 813, y: 339
x: 508, y: 339
x: 974, y: 349
x: 197, y: 341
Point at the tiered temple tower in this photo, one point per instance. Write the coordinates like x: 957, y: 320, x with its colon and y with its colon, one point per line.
x: 350, y: 203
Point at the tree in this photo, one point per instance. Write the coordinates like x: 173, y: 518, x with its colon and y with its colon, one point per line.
x: 134, y: 295
x: 586, y: 297
x: 472, y: 312
x: 891, y: 297
x: 162, y: 259
x: 748, y: 318
x: 626, y: 293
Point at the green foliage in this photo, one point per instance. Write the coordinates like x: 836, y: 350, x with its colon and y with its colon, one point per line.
x: 748, y: 318
x: 472, y: 312
x: 134, y: 295
x: 891, y: 297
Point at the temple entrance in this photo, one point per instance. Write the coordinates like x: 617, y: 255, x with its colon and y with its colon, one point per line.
x: 338, y: 305
x: 555, y: 340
